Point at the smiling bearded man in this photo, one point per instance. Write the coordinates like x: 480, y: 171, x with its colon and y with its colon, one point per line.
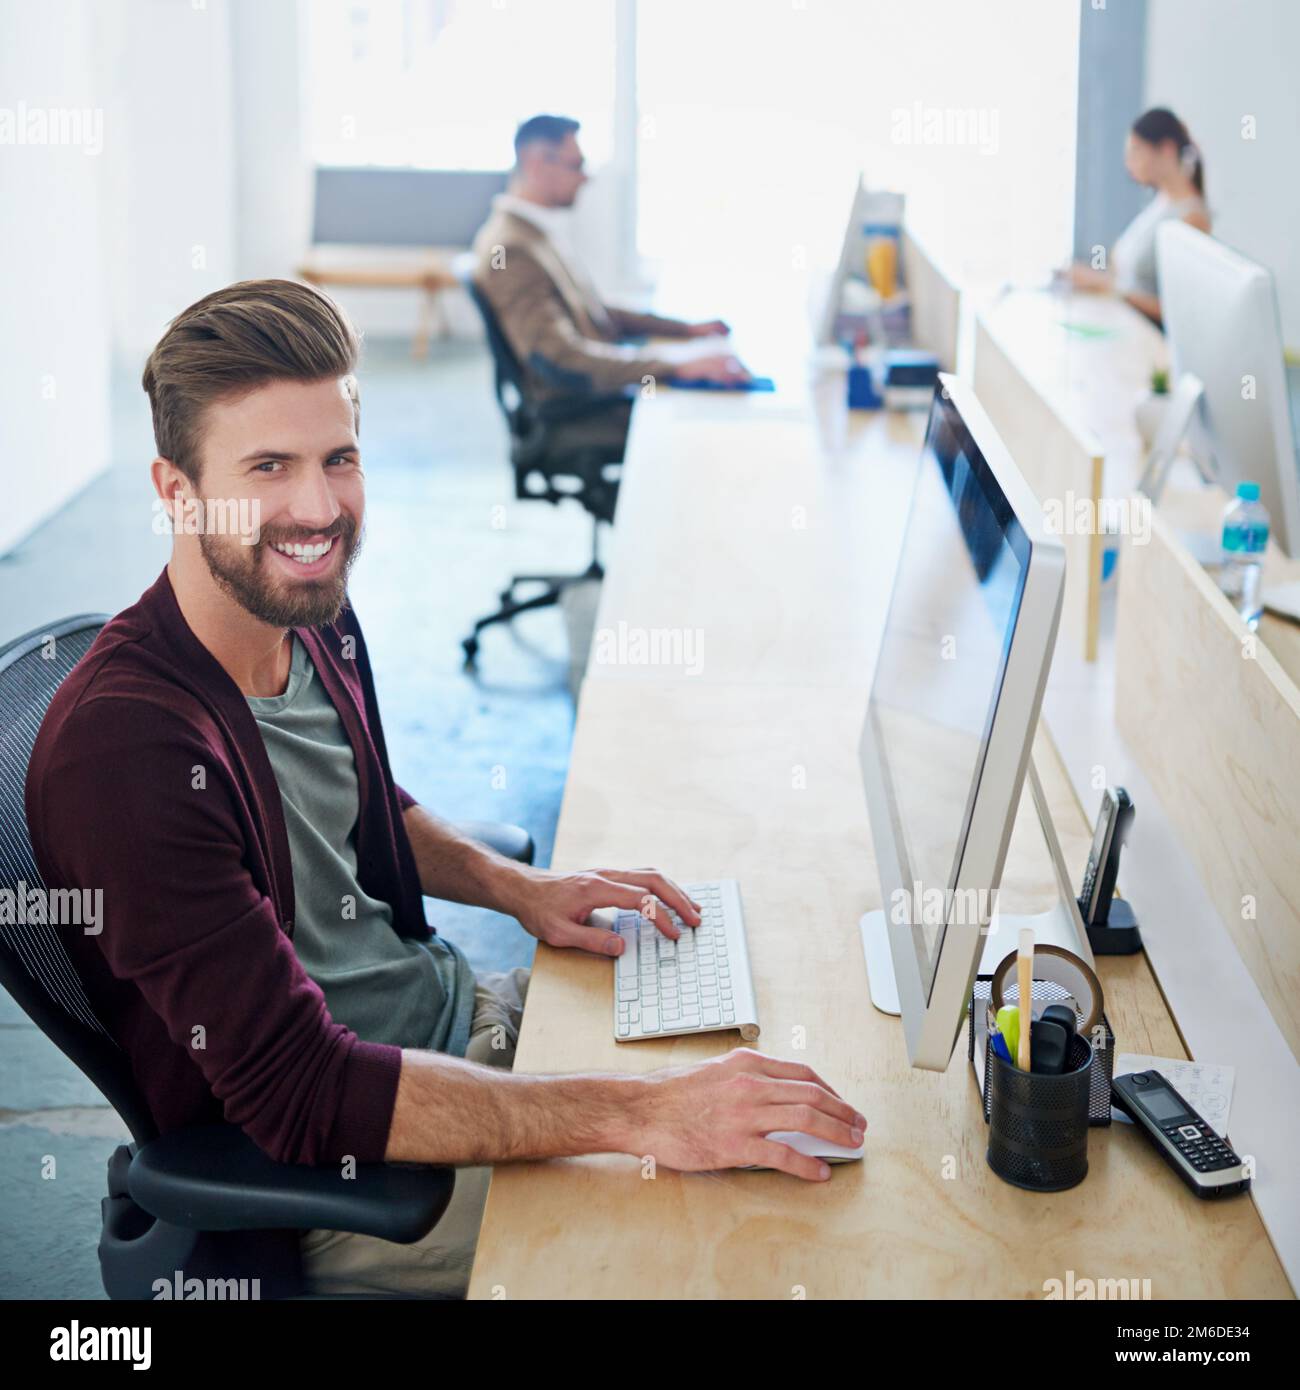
x: 216, y: 765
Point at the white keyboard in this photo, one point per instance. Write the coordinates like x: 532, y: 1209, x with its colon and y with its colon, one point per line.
x: 699, y: 983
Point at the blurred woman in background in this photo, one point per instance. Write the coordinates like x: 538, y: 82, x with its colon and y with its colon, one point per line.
x: 1159, y: 154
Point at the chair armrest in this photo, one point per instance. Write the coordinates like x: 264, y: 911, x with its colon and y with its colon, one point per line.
x: 214, y: 1178
x: 513, y: 841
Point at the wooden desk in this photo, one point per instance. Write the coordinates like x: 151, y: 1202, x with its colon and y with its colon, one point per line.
x: 1181, y: 682
x: 750, y: 769
x: 1088, y: 360
x: 763, y: 536
x: 1191, y: 681
x: 1206, y: 740
x: 697, y: 776
x: 1061, y: 376
x: 1093, y: 356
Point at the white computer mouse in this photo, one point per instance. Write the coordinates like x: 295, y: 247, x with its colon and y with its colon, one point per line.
x: 815, y: 1148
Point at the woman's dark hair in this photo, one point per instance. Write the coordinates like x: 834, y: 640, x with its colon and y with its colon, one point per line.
x: 1160, y: 124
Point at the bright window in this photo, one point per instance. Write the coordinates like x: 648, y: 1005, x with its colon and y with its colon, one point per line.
x: 442, y: 84
x: 756, y: 115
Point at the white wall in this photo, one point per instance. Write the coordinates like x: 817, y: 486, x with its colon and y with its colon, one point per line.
x: 54, y: 333
x: 165, y: 70
x: 1215, y: 65
x: 104, y: 248
x: 272, y: 170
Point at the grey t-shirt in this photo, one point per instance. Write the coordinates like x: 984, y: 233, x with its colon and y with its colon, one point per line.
x: 385, y: 987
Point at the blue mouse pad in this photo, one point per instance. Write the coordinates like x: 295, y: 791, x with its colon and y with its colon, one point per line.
x: 755, y: 383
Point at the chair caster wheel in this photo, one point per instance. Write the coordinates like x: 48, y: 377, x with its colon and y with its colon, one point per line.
x: 470, y: 645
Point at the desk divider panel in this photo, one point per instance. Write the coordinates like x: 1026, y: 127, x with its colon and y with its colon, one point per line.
x: 936, y: 303
x: 1063, y: 464
x: 1214, y: 721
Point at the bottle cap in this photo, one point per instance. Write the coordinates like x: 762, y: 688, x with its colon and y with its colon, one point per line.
x: 1248, y: 492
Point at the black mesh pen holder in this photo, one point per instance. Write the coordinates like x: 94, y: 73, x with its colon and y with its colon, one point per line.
x: 979, y: 1048
x: 1038, y: 1123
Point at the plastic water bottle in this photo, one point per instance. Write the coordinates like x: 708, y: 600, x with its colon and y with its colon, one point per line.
x: 1245, y: 538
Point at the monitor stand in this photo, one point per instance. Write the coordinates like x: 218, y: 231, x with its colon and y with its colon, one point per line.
x: 1203, y: 546
x: 1183, y: 401
x: 1061, y: 925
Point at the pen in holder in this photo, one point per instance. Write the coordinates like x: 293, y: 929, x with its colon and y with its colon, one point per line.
x: 1045, y: 992
x: 1038, y: 1122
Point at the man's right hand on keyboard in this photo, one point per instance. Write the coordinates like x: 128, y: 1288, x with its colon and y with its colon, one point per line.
x: 715, y: 1114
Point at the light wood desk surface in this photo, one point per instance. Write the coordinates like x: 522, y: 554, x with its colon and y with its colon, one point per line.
x: 763, y: 532
x: 1094, y: 355
x: 749, y: 769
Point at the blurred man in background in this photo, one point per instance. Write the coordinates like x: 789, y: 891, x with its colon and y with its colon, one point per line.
x: 569, y: 341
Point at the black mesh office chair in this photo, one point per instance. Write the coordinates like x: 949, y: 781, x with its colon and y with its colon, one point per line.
x: 546, y: 470
x: 204, y: 1200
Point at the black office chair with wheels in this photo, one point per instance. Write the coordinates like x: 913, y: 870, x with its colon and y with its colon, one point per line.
x: 546, y: 469
x: 204, y: 1200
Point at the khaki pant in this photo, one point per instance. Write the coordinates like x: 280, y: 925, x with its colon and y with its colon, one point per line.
x: 341, y: 1264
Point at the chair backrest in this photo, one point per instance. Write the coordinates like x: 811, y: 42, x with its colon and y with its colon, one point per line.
x: 34, y: 964
x: 511, y: 384
x: 536, y: 459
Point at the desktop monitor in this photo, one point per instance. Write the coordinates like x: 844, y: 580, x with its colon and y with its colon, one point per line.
x: 953, y: 708
x: 1220, y: 313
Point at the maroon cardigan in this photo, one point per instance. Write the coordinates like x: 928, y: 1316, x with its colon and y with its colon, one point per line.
x: 149, y: 779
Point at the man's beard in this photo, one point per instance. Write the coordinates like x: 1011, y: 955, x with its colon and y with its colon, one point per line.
x: 241, y: 571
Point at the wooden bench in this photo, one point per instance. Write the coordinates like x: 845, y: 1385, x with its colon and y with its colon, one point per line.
x: 426, y: 271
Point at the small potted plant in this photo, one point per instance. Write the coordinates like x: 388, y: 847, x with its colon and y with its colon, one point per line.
x: 1151, y: 408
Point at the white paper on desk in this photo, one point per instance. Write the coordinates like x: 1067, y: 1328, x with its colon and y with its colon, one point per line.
x: 1205, y: 1086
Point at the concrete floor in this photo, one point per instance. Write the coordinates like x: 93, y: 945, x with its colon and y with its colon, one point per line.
x: 495, y: 747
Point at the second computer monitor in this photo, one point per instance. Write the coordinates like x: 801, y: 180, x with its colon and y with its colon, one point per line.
x: 1220, y: 312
